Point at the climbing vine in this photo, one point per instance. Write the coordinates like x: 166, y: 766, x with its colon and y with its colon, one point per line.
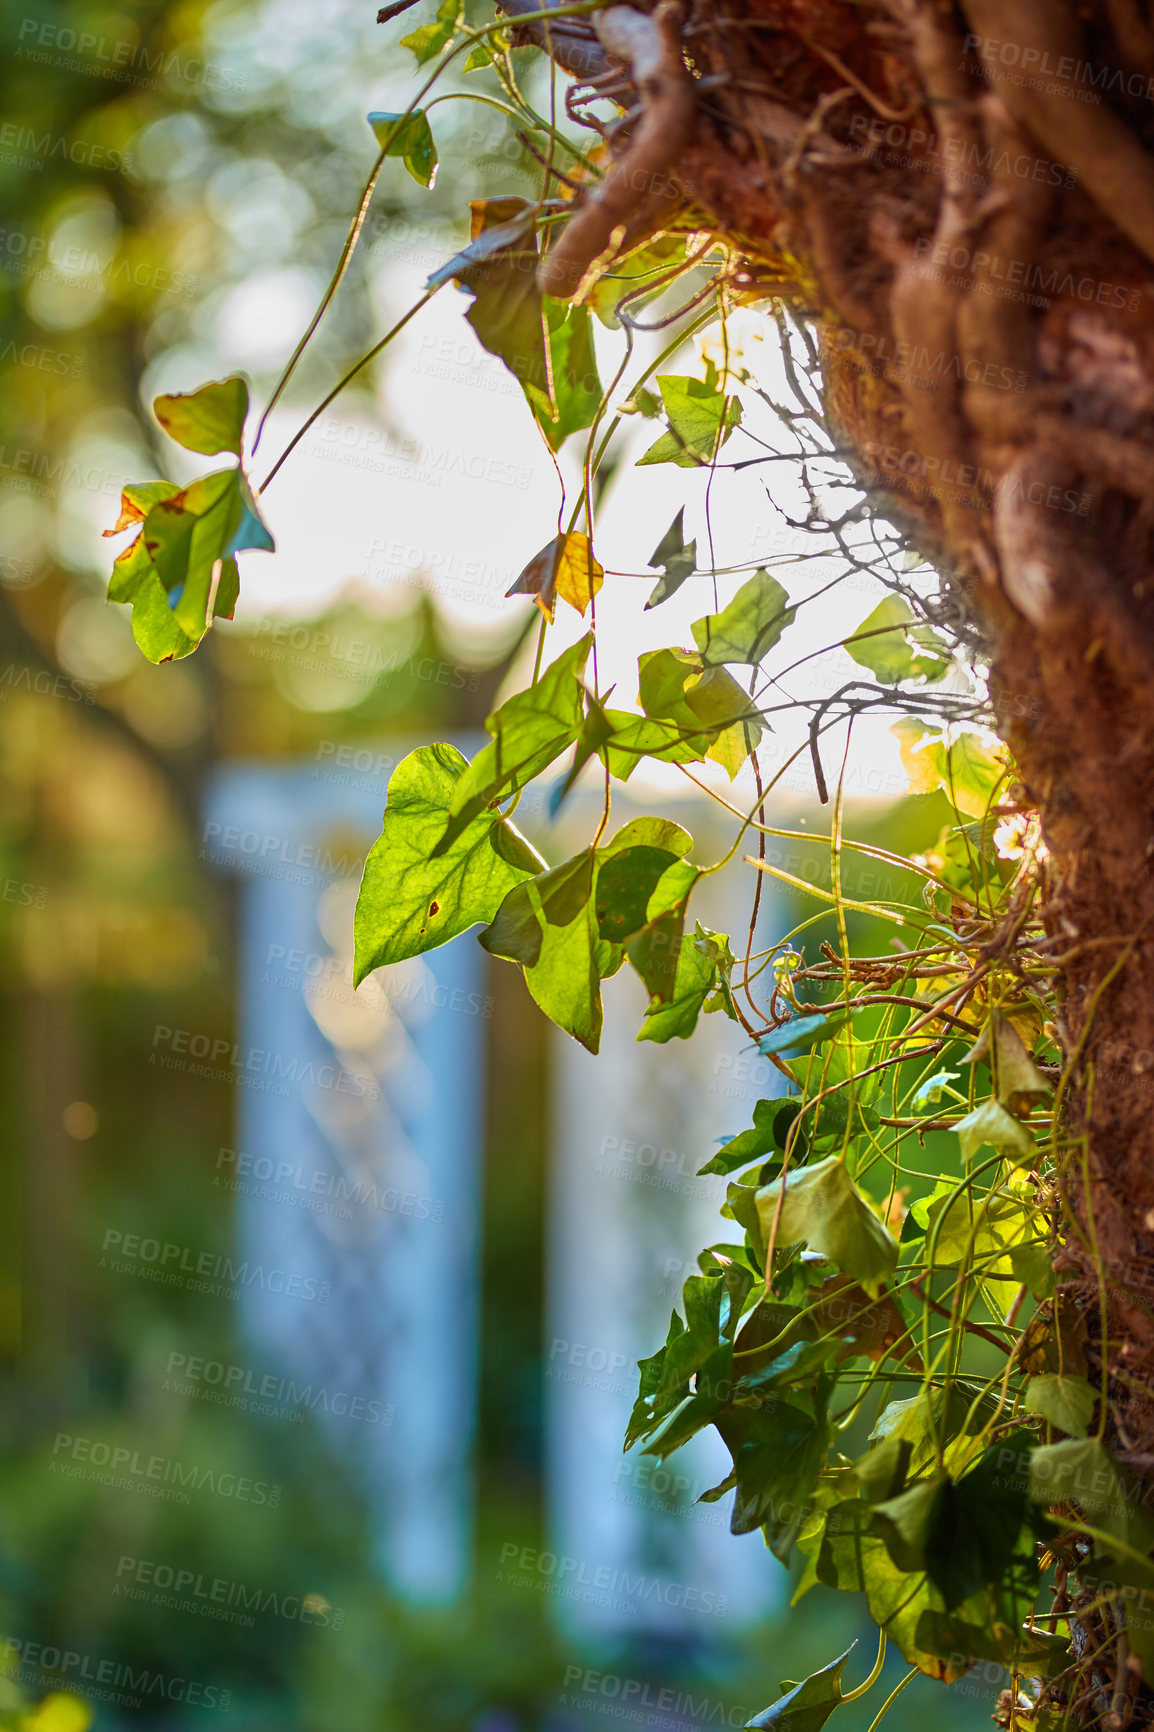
x: 877, y: 1333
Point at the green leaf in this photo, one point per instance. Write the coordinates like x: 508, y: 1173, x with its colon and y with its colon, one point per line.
x: 777, y: 1467
x: 853, y: 1559
x: 675, y: 557
x: 428, y: 40
x: 967, y: 770
x: 624, y: 887
x: 549, y: 927
x: 701, y: 418
x: 749, y: 627
x: 183, y: 559
x: 545, y: 343
x: 823, y: 1207
x: 802, y: 1031
x: 715, y: 716
x: 1066, y: 1401
x: 409, y: 902
x: 529, y: 730
x: 678, y: 972
x: 991, y: 1123
x: 808, y: 1705
x: 750, y: 1145
x: 154, y: 625
x: 1083, y: 1472
x: 962, y: 1534
x: 1038, y: 1653
x: 655, y: 1399
x: 1020, y: 1084
x: 893, y: 654
x: 636, y: 737
x: 208, y: 420
x: 186, y: 535
x: 410, y: 137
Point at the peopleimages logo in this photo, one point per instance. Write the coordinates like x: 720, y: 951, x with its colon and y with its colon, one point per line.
x: 568, y: 1576
x: 159, y: 1470
x: 171, y: 1263
x: 234, y: 1385
x: 30, y: 1661
x: 217, y: 1595
x: 630, y: 1694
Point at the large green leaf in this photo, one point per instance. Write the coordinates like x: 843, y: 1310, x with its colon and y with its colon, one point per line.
x: 410, y: 137
x: 963, y: 1534
x: 853, y: 1559
x: 208, y: 420
x: 701, y: 417
x: 409, y: 902
x: 749, y: 627
x: 529, y: 730
x: 824, y: 1208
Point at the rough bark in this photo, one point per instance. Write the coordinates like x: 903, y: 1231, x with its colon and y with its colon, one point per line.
x: 975, y: 181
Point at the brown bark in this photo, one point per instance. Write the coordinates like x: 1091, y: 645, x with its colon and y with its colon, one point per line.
x: 975, y: 180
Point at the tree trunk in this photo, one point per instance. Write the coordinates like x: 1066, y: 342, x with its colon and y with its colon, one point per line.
x: 960, y: 196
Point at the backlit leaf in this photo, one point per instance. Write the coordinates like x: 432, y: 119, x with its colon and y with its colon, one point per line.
x: 428, y: 40
x: 208, y: 420
x: 529, y: 730
x: 410, y: 137
x: 578, y: 575
x: 894, y: 647
x: 749, y: 627
x: 409, y: 902
x: 701, y: 418
x: 546, y: 344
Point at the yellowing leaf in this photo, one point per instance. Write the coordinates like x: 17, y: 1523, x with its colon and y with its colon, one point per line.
x: 578, y: 575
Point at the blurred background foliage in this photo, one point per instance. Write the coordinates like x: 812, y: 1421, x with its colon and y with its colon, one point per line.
x: 191, y: 161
